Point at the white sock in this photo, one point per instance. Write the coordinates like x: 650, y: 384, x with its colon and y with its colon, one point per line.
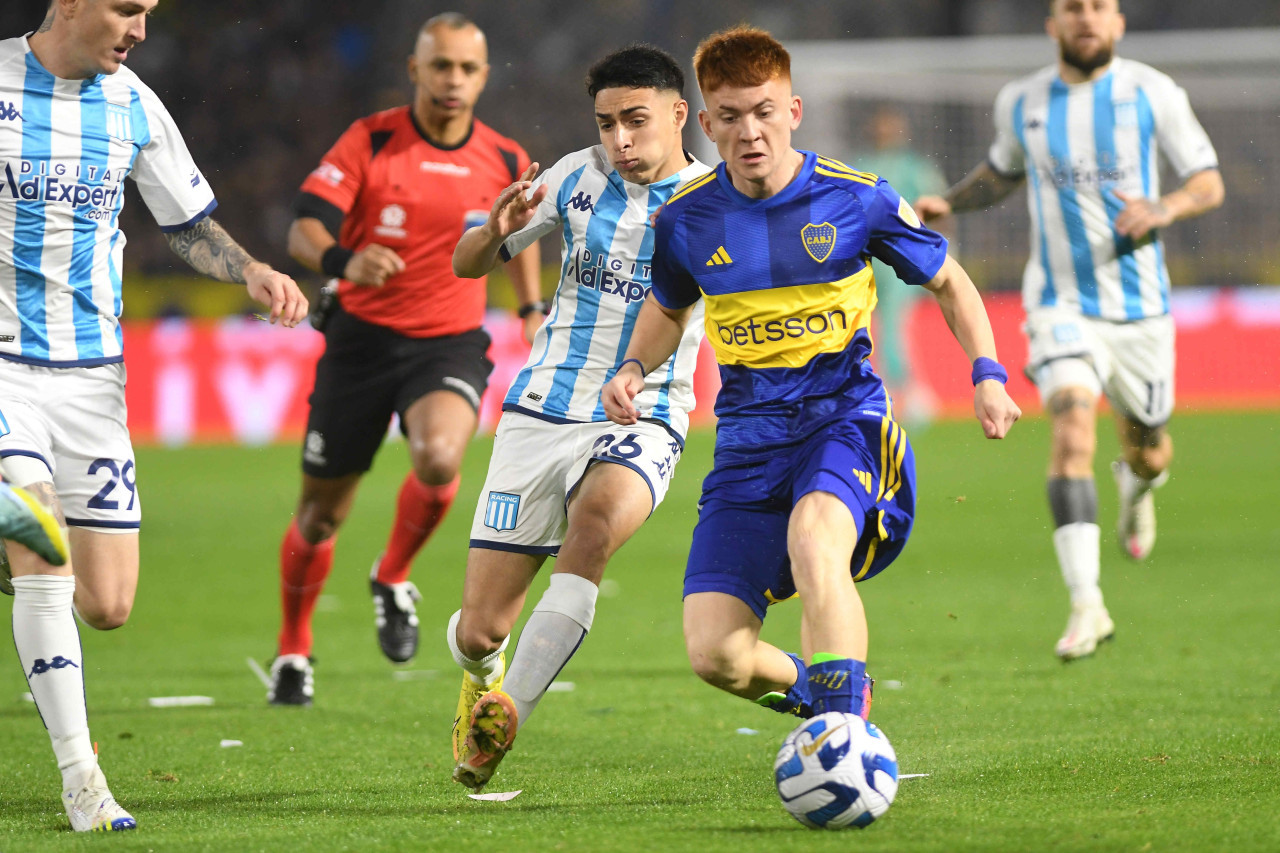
x: 487, y: 669
x: 48, y: 643
x: 555, y: 629
x: 1078, y: 556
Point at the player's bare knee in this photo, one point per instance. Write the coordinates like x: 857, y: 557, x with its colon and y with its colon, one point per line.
x: 317, y: 523
x: 718, y: 668
x: 104, y: 615
x: 436, y: 469
x: 478, y: 639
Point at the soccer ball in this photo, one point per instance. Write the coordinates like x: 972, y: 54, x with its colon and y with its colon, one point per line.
x: 835, y: 771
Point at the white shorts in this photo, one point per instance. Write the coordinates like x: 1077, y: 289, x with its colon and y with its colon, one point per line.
x: 1132, y: 363
x: 536, y: 465
x: 66, y: 425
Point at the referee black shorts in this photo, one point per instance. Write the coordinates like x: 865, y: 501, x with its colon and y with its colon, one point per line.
x: 368, y: 372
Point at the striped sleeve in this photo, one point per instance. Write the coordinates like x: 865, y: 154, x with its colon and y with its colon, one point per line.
x: 170, y: 183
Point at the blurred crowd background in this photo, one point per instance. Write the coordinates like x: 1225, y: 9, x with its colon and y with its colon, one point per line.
x: 261, y: 88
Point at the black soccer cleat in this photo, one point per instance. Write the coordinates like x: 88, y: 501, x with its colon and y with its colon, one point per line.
x: 396, y: 618
x: 292, y: 681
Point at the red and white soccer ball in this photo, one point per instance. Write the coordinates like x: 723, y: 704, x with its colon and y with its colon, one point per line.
x: 835, y: 771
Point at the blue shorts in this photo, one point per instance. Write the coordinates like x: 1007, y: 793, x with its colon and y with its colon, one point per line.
x: 740, y: 542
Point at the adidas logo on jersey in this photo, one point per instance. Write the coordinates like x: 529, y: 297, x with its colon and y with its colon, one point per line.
x: 720, y: 258
x: 864, y: 478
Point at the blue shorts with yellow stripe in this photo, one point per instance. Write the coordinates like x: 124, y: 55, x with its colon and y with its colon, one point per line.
x: 740, y: 542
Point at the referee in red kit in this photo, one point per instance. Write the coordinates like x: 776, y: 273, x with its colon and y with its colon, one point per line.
x: 382, y: 214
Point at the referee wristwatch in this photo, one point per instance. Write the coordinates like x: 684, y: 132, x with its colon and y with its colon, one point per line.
x: 541, y: 306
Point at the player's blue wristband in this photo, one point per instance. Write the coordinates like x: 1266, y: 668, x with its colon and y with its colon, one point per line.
x: 989, y: 368
x: 638, y: 364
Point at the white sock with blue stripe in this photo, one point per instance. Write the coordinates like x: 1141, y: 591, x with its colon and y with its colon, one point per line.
x: 48, y: 643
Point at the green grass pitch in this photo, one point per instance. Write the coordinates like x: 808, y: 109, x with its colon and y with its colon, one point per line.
x: 1168, y: 739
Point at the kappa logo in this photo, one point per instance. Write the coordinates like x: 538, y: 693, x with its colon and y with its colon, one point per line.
x: 503, y: 511
x: 810, y: 748
x: 819, y: 240
x: 720, y: 258
x: 582, y: 201
x: 8, y: 111
x: 40, y: 667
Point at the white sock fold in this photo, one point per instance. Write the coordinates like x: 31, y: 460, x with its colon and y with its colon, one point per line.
x: 48, y: 643
x: 1077, y: 547
x: 487, y: 669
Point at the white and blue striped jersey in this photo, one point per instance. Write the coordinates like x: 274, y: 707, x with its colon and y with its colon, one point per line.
x: 1080, y: 144
x: 604, y: 277
x: 66, y: 147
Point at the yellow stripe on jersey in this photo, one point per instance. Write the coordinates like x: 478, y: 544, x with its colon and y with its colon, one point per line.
x: 880, y: 535
x: 788, y: 326
x: 771, y: 599
x: 688, y: 188
x: 885, y: 425
x: 837, y: 166
x: 848, y: 176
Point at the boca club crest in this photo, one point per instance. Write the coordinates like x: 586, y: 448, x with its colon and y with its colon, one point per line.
x: 819, y: 240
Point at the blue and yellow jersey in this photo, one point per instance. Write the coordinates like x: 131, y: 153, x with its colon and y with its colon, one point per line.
x: 788, y: 291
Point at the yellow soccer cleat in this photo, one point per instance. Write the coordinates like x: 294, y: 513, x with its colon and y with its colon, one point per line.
x: 472, y: 690
x: 492, y: 731
x: 23, y: 519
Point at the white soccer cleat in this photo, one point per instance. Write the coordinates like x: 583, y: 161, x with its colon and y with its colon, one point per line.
x: 93, y: 809
x: 1089, y: 625
x: 1136, y: 524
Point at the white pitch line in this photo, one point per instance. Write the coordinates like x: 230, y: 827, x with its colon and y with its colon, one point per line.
x: 902, y: 776
x: 260, y: 672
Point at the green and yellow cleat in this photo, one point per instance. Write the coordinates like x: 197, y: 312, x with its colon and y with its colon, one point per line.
x: 491, y: 733
x: 472, y: 690
x: 23, y: 519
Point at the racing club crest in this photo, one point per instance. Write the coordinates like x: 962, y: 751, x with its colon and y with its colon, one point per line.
x: 503, y: 511
x: 819, y: 240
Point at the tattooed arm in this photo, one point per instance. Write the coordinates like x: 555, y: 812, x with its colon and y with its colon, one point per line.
x: 982, y: 187
x: 211, y: 251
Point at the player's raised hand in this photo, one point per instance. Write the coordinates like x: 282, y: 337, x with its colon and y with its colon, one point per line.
x: 931, y: 207
x: 373, y: 265
x: 620, y: 391
x: 1140, y: 216
x: 994, y: 407
x: 276, y: 291
x: 512, y: 210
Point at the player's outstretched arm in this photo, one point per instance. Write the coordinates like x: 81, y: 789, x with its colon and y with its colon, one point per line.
x: 311, y: 245
x: 965, y: 314
x: 982, y: 187
x: 1202, y: 192
x: 525, y: 270
x: 655, y: 337
x: 477, y: 252
x: 211, y: 251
